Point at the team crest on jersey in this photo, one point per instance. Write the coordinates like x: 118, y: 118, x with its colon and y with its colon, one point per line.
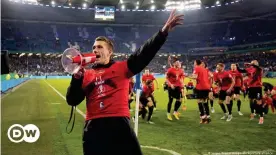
x: 101, y: 105
x: 101, y: 89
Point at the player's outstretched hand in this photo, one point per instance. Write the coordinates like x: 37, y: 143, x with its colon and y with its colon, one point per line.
x: 172, y: 22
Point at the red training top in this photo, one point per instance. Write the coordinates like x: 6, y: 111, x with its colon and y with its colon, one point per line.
x: 147, y: 77
x: 176, y: 77
x: 147, y: 91
x: 267, y: 100
x: 224, y: 79
x: 107, y: 98
x: 202, y: 81
x: 190, y: 84
x: 254, y: 77
x: 238, y: 78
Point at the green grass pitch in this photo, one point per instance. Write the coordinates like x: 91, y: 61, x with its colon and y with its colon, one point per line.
x: 37, y: 103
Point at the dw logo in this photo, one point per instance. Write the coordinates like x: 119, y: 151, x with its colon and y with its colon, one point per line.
x: 29, y: 133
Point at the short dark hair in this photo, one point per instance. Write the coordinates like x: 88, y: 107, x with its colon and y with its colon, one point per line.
x: 221, y: 65
x: 198, y: 62
x: 107, y: 40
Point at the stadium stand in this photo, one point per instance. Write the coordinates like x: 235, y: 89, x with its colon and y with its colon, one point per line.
x: 51, y: 65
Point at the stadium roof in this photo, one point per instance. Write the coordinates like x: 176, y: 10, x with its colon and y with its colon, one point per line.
x: 162, y: 4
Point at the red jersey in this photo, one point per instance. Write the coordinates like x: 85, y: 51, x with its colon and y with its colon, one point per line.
x: 254, y: 77
x: 267, y: 100
x: 274, y: 96
x: 131, y: 85
x: 202, y: 81
x: 107, y: 90
x: 147, y: 91
x: 237, y: 77
x: 175, y: 76
x: 224, y: 79
x: 190, y: 84
x: 147, y: 77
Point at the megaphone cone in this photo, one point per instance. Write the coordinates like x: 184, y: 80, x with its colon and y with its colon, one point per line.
x: 72, y: 60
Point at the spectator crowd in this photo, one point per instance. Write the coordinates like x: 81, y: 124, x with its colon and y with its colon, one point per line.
x: 50, y: 64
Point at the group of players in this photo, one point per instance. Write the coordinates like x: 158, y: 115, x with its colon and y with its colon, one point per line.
x: 221, y: 84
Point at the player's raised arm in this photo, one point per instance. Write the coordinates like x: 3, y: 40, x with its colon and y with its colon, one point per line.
x: 169, y: 61
x: 142, y: 57
x: 241, y: 70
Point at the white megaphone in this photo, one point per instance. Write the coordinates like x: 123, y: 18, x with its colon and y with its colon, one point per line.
x: 73, y: 60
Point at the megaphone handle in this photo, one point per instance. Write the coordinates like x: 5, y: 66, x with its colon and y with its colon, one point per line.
x: 79, y: 74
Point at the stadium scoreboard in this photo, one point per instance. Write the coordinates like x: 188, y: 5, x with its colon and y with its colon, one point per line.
x: 105, y: 13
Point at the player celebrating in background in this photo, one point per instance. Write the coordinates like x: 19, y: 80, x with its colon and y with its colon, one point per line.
x: 267, y: 102
x: 211, y: 92
x: 201, y: 74
x: 254, y: 73
x: 146, y: 101
x: 190, y: 85
x: 148, y: 76
x: 237, y: 88
x: 225, y: 82
x: 175, y: 80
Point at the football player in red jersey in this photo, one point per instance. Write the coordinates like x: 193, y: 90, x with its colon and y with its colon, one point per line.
x: 254, y: 74
x: 107, y: 127
x: 190, y: 85
x: 175, y: 80
x: 201, y: 74
x: 267, y: 101
x: 225, y: 82
x: 211, y: 92
x: 148, y: 76
x: 146, y: 101
x: 130, y: 92
x: 238, y: 86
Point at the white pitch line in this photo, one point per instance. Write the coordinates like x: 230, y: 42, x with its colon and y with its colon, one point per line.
x: 78, y: 110
x: 148, y: 147
x: 160, y: 149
